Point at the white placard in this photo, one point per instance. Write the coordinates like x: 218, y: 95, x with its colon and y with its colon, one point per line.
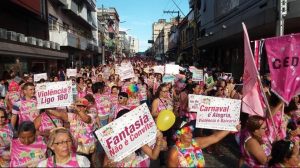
x: 128, y: 133
x: 54, y: 94
x: 126, y: 72
x: 168, y: 79
x: 38, y: 77
x: 171, y: 69
x: 159, y: 69
x: 215, y: 113
x: 71, y: 72
x: 197, y: 74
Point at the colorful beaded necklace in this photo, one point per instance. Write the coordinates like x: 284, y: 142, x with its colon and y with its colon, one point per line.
x: 197, y: 152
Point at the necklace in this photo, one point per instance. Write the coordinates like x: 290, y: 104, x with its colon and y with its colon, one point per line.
x: 189, y: 157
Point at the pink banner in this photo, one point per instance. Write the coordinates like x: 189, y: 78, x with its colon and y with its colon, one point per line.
x: 251, y: 102
x: 283, y: 57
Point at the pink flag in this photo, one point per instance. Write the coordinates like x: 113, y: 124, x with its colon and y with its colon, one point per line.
x: 283, y: 57
x: 251, y: 102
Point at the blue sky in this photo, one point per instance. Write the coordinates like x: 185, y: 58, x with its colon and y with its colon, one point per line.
x: 140, y: 14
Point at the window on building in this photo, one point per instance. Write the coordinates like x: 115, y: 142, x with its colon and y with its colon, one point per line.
x: 65, y: 27
x: 53, y: 24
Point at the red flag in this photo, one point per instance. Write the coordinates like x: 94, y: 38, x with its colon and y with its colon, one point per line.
x: 251, y: 102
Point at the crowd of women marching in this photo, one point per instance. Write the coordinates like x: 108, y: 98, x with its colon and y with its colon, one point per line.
x: 64, y: 137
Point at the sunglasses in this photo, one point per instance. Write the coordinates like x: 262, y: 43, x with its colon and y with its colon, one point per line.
x: 120, y: 97
x: 81, y: 106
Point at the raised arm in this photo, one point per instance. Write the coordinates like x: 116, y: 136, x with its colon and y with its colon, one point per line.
x: 204, y: 142
x: 154, y: 108
x: 61, y: 115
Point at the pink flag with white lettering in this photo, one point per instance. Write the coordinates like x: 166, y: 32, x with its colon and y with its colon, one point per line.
x: 252, y: 102
x: 283, y: 57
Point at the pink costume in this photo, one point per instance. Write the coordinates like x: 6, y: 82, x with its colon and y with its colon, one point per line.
x: 103, y: 104
x: 249, y: 159
x: 26, y: 109
x: 47, y: 124
x: 82, y: 131
x: 27, y: 155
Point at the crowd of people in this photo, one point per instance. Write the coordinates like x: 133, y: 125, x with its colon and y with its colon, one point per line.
x: 64, y: 136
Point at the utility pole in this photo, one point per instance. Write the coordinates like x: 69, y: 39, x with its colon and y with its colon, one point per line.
x: 178, y: 17
x: 282, y: 11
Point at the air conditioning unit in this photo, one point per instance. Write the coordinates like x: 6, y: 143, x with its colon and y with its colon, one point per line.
x: 47, y: 44
x: 11, y: 35
x: 31, y: 40
x: 3, y: 33
x: 39, y: 42
x: 21, y: 38
x: 52, y: 45
x: 57, y: 46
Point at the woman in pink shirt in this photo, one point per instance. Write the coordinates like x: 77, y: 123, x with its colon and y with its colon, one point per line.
x: 28, y: 149
x: 6, y: 135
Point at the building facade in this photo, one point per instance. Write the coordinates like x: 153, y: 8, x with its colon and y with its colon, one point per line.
x: 109, y: 18
x: 24, y: 39
x: 73, y: 24
x: 160, y: 38
x: 219, y: 31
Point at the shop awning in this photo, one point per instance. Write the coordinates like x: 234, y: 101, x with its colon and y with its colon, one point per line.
x: 30, y: 51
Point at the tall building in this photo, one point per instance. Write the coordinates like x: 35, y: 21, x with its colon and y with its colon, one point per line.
x: 24, y: 38
x: 160, y: 33
x: 109, y: 18
x: 73, y: 24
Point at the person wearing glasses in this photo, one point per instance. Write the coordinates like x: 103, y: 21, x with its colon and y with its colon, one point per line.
x: 255, y: 150
x: 285, y: 154
x: 122, y: 104
x: 62, y: 145
x: 28, y: 149
x: 161, y: 100
x: 6, y: 136
x: 81, y: 126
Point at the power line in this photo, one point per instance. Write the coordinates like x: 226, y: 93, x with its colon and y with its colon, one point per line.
x: 178, y: 8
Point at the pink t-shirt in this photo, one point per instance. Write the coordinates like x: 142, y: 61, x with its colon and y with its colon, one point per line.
x: 27, y: 155
x: 6, y: 135
x: 47, y: 124
x: 26, y: 109
x: 13, y: 96
x: 103, y: 104
x: 80, y: 130
x: 133, y: 102
x: 142, y: 92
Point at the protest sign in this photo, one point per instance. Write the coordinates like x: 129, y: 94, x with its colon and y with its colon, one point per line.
x: 38, y: 77
x: 71, y: 72
x: 197, y: 74
x: 168, y: 79
x: 128, y: 133
x: 215, y: 113
x: 171, y: 69
x: 126, y: 72
x: 159, y: 69
x: 209, y: 81
x: 283, y: 57
x: 54, y: 94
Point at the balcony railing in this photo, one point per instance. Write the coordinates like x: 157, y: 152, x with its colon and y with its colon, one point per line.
x: 65, y: 38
